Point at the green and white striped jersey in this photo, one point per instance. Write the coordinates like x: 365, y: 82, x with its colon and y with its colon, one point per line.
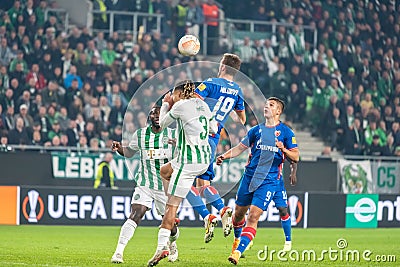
x: 154, y: 152
x: 194, y: 123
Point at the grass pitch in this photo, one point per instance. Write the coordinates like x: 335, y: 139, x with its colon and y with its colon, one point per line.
x: 53, y: 246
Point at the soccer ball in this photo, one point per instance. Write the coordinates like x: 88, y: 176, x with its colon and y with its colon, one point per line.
x: 189, y: 45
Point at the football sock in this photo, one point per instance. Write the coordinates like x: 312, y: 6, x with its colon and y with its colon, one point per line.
x: 126, y: 233
x: 212, y: 196
x: 238, y: 226
x: 287, y: 227
x: 163, y: 237
x: 173, y: 238
x: 247, y: 235
x: 197, y: 203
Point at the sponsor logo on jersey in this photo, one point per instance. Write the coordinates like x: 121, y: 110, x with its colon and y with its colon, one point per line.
x: 294, y: 142
x: 266, y: 147
x: 202, y: 86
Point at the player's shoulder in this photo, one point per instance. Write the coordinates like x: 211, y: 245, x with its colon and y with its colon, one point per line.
x: 141, y: 130
x: 181, y: 103
x: 255, y: 129
x: 286, y: 128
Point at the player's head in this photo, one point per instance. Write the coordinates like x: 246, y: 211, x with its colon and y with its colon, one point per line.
x: 229, y: 65
x: 183, y: 90
x: 154, y: 116
x: 274, y: 107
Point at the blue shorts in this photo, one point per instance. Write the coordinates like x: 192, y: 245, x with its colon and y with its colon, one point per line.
x: 210, y: 174
x: 262, y: 196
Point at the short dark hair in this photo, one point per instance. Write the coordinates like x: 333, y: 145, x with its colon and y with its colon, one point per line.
x: 233, y: 63
x: 280, y: 101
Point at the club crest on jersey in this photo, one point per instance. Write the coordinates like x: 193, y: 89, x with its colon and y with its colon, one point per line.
x: 165, y: 140
x: 277, y: 133
x: 202, y: 86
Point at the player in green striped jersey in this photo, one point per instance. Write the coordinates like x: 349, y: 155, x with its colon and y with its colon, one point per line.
x: 155, y: 147
x: 194, y: 123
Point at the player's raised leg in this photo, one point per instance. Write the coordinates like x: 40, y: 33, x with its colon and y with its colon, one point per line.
x: 165, y: 231
x: 211, y: 194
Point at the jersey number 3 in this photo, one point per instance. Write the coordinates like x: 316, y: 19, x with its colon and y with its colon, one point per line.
x: 203, y: 120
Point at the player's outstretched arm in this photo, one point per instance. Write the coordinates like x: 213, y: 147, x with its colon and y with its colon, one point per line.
x: 166, y: 117
x: 123, y: 151
x: 242, y: 116
x: 231, y: 153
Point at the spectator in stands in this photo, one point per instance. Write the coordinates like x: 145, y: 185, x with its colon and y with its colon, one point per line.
x: 4, y: 147
x: 72, y: 93
x: 211, y: 14
x: 72, y: 133
x: 62, y: 118
x: 35, y: 73
x: 296, y: 103
x: 5, y: 53
x: 371, y: 130
x: 101, y: 43
x: 9, y: 118
x: 116, y: 93
x: 19, y: 135
x: 179, y: 19
x: 51, y: 94
x: 296, y: 41
x: 104, y: 174
x: 37, y: 139
x: 194, y: 18
x: 71, y: 77
x: 23, y: 113
x: 117, y: 113
x: 280, y: 82
x: 376, y: 149
x: 335, y: 129
x: 56, y: 130
x: 99, y: 19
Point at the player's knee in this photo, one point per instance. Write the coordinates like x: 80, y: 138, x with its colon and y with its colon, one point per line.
x: 166, y: 172
x: 211, y: 190
x: 252, y: 219
x: 282, y: 211
x: 135, y: 216
x: 137, y: 213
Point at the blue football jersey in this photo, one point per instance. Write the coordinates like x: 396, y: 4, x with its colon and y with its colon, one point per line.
x: 265, y: 159
x: 222, y: 96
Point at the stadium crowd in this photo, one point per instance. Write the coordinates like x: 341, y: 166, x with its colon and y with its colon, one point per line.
x: 62, y: 89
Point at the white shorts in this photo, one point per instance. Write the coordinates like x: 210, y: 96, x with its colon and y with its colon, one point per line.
x: 145, y: 196
x: 183, y: 176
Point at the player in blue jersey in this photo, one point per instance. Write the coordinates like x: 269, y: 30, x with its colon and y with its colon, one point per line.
x: 222, y: 95
x: 271, y: 143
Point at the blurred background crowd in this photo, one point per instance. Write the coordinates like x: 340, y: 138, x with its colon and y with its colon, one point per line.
x: 72, y: 88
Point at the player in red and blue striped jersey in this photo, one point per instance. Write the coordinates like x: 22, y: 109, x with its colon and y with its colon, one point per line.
x: 271, y: 143
x: 222, y: 95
